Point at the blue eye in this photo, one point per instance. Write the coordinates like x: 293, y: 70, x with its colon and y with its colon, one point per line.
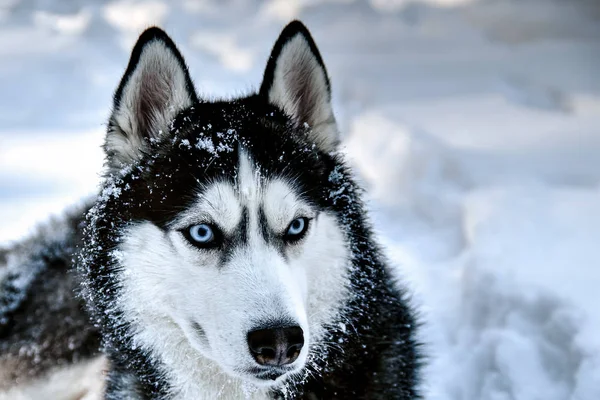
x: 296, y: 229
x: 201, y: 235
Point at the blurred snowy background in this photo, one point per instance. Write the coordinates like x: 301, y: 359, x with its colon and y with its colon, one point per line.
x: 474, y: 123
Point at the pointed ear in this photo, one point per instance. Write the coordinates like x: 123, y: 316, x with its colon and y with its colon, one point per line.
x: 296, y: 81
x: 154, y: 88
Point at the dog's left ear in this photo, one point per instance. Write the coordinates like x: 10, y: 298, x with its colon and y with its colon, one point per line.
x: 296, y: 81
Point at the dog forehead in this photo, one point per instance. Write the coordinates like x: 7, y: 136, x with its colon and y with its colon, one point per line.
x: 276, y: 196
x: 252, y: 192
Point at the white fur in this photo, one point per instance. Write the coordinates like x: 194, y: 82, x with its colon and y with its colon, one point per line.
x: 158, y: 79
x: 168, y: 283
x: 300, y: 89
x: 82, y: 381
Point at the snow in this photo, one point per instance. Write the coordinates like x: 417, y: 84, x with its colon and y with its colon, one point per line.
x: 206, y: 144
x: 474, y: 125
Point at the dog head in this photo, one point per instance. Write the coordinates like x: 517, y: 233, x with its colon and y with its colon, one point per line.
x: 214, y: 237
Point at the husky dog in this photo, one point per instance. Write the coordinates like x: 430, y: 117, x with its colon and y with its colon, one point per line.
x: 228, y: 254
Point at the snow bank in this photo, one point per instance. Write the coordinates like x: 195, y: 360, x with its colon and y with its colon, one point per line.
x: 506, y: 271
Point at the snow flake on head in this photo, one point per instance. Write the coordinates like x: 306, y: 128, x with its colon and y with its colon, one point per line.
x: 109, y: 191
x: 228, y: 133
x: 223, y: 143
x: 341, y: 185
x: 206, y: 144
x: 224, y: 148
x: 336, y: 175
x: 213, y: 143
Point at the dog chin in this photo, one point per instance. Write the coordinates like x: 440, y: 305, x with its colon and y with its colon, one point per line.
x: 267, y: 378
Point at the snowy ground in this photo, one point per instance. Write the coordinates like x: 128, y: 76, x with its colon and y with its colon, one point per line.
x: 474, y: 123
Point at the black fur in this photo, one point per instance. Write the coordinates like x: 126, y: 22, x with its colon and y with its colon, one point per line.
x: 375, y: 356
x: 42, y: 324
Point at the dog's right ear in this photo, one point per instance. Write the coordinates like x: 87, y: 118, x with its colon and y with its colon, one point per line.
x: 296, y: 81
x: 155, y: 87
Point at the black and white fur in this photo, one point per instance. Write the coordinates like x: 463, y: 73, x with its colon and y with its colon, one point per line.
x: 174, y: 316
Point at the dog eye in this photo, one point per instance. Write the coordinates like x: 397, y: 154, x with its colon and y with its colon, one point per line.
x: 296, y: 229
x: 202, y: 235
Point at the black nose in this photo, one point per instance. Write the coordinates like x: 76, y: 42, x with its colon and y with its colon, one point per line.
x: 276, y: 346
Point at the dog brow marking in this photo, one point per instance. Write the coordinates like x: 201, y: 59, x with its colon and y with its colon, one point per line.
x: 264, y: 225
x: 237, y: 238
x: 244, y: 226
x: 268, y: 234
x: 252, y: 195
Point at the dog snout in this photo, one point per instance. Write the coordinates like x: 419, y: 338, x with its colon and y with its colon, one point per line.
x: 276, y: 346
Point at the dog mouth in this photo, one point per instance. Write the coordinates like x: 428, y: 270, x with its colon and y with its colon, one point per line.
x: 268, y: 375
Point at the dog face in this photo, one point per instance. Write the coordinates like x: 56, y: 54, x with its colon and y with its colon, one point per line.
x: 224, y: 246
x: 249, y: 272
